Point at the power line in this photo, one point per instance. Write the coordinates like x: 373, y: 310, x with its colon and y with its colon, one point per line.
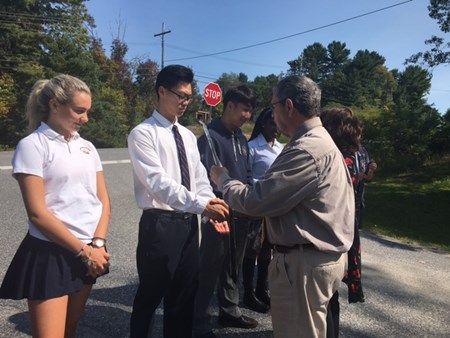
x: 440, y: 90
x: 35, y: 23
x: 204, y: 73
x: 225, y: 59
x: 33, y: 17
x: 26, y: 18
x: 61, y: 16
x: 206, y: 77
x: 292, y: 35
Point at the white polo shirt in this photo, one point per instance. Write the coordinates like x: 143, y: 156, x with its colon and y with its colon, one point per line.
x: 69, y: 170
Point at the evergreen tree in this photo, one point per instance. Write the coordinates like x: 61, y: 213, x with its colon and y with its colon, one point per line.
x: 408, y: 129
x: 262, y: 87
x: 312, y: 62
x: 146, y: 74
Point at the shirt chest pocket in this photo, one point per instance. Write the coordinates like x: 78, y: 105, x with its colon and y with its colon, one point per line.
x: 192, y: 156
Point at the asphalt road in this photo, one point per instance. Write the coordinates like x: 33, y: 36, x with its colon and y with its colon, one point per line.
x: 407, y: 288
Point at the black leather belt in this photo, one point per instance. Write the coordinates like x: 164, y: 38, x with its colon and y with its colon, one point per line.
x: 243, y: 218
x: 169, y: 213
x: 288, y: 249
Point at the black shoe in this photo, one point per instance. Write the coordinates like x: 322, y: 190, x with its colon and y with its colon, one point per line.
x: 209, y: 334
x: 254, y: 303
x: 242, y: 322
x: 263, y: 296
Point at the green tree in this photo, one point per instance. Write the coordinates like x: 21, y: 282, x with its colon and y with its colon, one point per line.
x: 196, y: 104
x: 107, y: 127
x: 326, y: 67
x: 243, y: 78
x: 366, y: 80
x: 145, y: 103
x: 225, y: 81
x: 34, y: 35
x: 334, y: 84
x: 337, y: 57
x: 262, y: 87
x: 440, y: 143
x: 7, y: 105
x: 312, y: 62
x: 407, y: 130
x: 362, y: 82
x: 229, y: 80
x: 439, y: 52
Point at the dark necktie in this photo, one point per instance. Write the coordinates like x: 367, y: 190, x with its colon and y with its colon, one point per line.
x: 182, y: 159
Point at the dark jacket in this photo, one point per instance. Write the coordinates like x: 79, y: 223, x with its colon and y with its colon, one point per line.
x: 232, y: 149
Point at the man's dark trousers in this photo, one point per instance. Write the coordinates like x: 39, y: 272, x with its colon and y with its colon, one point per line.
x: 167, y: 261
x: 215, y: 272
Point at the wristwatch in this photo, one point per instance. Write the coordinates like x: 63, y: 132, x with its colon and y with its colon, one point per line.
x: 98, y: 242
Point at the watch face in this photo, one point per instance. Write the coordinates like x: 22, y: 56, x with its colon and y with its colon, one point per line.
x: 98, y: 242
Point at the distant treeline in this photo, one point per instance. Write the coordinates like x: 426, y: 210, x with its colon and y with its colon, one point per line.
x: 40, y: 39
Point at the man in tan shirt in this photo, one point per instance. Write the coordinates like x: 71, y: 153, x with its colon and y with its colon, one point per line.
x: 308, y: 202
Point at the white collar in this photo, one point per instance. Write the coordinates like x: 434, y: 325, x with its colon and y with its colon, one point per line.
x: 45, y: 129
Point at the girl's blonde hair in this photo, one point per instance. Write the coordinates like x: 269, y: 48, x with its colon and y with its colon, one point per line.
x: 61, y: 88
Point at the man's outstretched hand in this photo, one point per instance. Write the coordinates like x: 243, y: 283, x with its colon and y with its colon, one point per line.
x: 216, y: 172
x: 221, y: 227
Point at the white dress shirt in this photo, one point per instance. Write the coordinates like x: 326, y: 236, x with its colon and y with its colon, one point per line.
x: 156, y: 171
x: 262, y: 155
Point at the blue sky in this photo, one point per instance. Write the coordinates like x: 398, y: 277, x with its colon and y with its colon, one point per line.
x: 200, y: 27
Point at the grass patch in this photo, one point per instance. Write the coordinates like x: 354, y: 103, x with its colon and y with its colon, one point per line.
x: 413, y: 207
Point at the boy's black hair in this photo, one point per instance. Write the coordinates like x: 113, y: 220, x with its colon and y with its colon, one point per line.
x: 170, y: 76
x: 240, y: 94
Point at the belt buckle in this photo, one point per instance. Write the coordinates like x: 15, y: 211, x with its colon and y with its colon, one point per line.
x: 178, y: 215
x: 186, y: 215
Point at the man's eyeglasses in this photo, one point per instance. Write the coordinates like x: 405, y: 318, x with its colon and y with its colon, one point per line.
x: 272, y: 105
x: 181, y: 98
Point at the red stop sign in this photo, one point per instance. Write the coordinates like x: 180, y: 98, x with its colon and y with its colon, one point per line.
x: 212, y: 94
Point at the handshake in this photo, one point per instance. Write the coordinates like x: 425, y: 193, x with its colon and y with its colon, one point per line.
x: 217, y: 211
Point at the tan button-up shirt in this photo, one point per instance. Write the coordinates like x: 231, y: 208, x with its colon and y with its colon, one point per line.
x: 305, y: 196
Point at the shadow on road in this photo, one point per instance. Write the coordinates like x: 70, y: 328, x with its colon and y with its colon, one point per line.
x: 21, y: 322
x: 123, y: 295
x: 390, y: 243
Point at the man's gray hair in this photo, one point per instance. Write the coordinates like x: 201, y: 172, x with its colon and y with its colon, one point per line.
x: 304, y: 93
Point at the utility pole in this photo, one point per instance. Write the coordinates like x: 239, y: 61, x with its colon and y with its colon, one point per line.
x: 162, y: 43
x: 301, y: 65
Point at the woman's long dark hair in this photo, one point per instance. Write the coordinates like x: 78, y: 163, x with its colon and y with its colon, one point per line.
x: 263, y: 117
x: 344, y: 128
